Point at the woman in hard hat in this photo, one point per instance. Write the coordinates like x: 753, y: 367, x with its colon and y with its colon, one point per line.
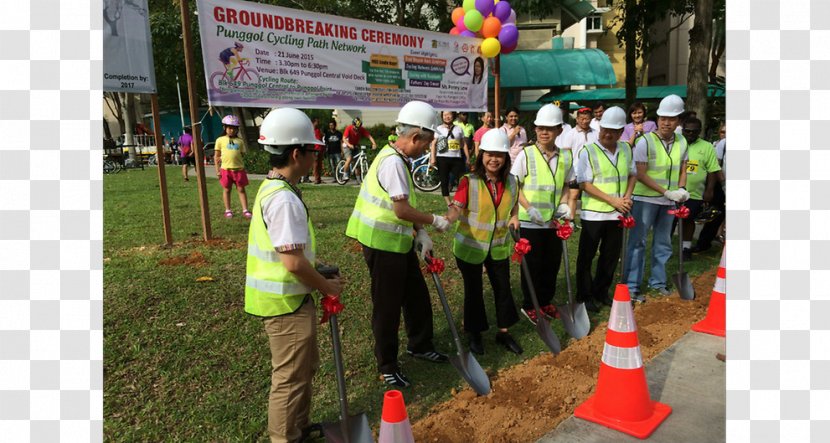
x: 230, y: 167
x: 485, y: 205
x: 639, y: 125
x: 547, y: 191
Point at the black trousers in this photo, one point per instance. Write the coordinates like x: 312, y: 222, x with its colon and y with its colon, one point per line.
x: 607, y: 237
x: 543, y: 262
x: 447, y: 166
x: 707, y: 234
x: 475, y: 316
x: 398, y: 284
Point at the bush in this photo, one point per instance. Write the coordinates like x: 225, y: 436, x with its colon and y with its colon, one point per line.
x: 257, y: 160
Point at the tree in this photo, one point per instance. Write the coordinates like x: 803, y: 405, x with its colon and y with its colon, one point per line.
x: 700, y: 43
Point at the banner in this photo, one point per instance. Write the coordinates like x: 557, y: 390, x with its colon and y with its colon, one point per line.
x: 128, y: 50
x: 266, y: 56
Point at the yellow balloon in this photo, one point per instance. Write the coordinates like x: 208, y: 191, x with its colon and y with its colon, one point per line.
x: 490, y: 47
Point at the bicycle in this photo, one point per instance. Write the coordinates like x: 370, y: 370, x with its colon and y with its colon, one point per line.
x: 359, y: 163
x: 425, y: 176
x: 248, y: 77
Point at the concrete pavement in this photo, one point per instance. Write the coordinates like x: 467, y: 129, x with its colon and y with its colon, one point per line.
x: 687, y: 377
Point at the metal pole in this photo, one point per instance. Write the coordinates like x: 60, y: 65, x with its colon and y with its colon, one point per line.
x: 165, y: 205
x: 497, y: 91
x: 194, y: 119
x: 179, y: 90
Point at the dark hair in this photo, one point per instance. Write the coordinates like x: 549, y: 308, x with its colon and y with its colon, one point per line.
x: 599, y: 105
x: 480, y: 171
x: 693, y: 120
x: 187, y: 130
x: 511, y: 109
x: 635, y: 106
x: 480, y: 76
x: 281, y: 160
x: 333, y: 121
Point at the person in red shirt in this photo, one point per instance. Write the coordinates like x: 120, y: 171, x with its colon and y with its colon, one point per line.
x: 487, y: 197
x: 351, y: 137
x: 318, y: 163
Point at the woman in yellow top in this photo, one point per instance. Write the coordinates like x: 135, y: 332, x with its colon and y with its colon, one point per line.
x: 485, y: 205
x: 230, y: 168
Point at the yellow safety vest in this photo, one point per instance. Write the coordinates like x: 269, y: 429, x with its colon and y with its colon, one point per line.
x: 609, y: 178
x: 482, y: 227
x: 542, y: 188
x: 373, y: 221
x: 663, y: 167
x: 270, y: 289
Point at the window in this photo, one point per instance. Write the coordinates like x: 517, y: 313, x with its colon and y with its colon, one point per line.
x: 594, y: 22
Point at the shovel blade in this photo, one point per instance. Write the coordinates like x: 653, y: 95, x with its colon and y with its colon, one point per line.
x: 358, y: 429
x: 473, y: 374
x: 684, y: 286
x: 577, y: 325
x: 546, y: 334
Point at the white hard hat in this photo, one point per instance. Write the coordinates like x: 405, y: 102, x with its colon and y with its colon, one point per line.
x: 286, y: 127
x: 548, y: 115
x: 613, y: 118
x: 417, y: 113
x: 494, y: 140
x: 671, y: 106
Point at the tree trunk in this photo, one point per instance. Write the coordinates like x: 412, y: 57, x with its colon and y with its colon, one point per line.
x: 243, y: 130
x: 700, y: 43
x: 630, y: 55
x: 718, y: 47
x: 129, y: 123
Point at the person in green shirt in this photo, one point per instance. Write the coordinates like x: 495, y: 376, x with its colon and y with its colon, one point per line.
x: 462, y: 122
x: 702, y: 170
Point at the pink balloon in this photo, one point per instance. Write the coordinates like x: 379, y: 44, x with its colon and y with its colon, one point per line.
x: 455, y: 31
x: 460, y: 25
x: 502, y: 10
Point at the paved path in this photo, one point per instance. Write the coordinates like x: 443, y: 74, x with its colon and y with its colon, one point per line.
x: 687, y: 377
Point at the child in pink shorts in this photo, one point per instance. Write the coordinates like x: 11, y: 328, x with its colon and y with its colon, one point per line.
x: 230, y: 168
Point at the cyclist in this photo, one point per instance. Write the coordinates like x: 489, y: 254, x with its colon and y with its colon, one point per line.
x: 227, y: 53
x: 351, y: 137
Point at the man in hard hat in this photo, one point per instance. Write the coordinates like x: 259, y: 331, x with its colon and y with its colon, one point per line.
x: 281, y: 275
x: 660, y: 159
x: 606, y: 176
x: 547, y: 192
x: 702, y: 171
x: 581, y: 134
x: 383, y: 221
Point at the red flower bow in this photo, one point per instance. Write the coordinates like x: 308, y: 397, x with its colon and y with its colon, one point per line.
x: 681, y: 212
x: 563, y: 230
x: 435, y: 266
x: 331, y: 306
x: 521, y: 248
x: 626, y: 222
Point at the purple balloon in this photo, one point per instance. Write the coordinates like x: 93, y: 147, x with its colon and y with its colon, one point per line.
x: 502, y: 10
x: 467, y: 33
x: 509, y: 34
x: 512, y: 17
x: 485, y: 7
x: 507, y: 49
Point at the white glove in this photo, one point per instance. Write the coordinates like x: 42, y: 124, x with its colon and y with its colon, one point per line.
x: 672, y: 195
x: 440, y: 223
x: 563, y: 211
x: 423, y: 243
x: 535, y: 216
x: 684, y: 194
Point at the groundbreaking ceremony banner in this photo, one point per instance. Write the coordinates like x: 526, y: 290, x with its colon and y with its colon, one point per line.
x: 266, y: 56
x: 128, y: 51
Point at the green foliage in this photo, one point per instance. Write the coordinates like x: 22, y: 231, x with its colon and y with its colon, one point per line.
x: 257, y: 160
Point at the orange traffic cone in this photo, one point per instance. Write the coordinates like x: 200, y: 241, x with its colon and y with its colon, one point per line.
x: 715, y: 321
x: 394, y: 423
x: 622, y: 400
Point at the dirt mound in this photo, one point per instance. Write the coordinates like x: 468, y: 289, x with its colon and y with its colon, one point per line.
x: 193, y: 259
x: 530, y: 399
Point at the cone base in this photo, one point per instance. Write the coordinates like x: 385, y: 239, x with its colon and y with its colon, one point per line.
x: 640, y: 429
x: 705, y: 326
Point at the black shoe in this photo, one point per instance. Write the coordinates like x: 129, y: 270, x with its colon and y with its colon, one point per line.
x: 397, y: 379
x: 636, y: 297
x: 698, y: 248
x: 433, y: 356
x: 312, y: 432
x: 687, y: 254
x: 506, y: 340
x: 591, y: 307
x: 476, y: 346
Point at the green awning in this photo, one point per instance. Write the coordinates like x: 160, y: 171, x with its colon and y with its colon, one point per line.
x: 555, y: 67
x: 578, y: 9
x: 618, y: 94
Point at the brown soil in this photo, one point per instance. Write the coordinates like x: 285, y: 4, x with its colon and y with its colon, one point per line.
x: 194, y: 259
x: 530, y: 399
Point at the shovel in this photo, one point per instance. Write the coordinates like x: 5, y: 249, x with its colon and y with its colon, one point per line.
x: 681, y: 278
x: 464, y: 362
x: 354, y: 428
x: 542, y: 326
x: 573, y: 315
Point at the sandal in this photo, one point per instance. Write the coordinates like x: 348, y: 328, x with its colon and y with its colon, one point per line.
x: 247, y: 214
x: 228, y: 214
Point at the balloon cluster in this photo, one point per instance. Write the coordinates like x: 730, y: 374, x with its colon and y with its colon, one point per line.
x: 492, y: 20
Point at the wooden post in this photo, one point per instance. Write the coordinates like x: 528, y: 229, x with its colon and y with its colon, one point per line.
x: 497, y: 92
x: 165, y: 205
x: 194, y: 119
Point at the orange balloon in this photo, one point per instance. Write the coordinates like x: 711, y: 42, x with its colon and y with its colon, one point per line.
x: 457, y: 13
x: 491, y: 27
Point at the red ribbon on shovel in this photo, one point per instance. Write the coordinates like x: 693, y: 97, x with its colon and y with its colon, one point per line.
x: 435, y: 266
x: 563, y: 230
x: 331, y: 306
x: 681, y: 212
x: 521, y: 248
x: 626, y: 222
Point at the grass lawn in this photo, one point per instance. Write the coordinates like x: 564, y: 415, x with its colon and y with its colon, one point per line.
x: 185, y: 363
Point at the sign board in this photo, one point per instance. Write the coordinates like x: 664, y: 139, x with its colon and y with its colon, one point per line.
x: 128, y: 50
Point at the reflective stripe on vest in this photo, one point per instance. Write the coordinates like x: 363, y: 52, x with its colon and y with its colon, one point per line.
x: 482, y: 227
x: 609, y: 178
x: 542, y: 187
x: 270, y: 289
x: 663, y: 167
x: 373, y: 221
